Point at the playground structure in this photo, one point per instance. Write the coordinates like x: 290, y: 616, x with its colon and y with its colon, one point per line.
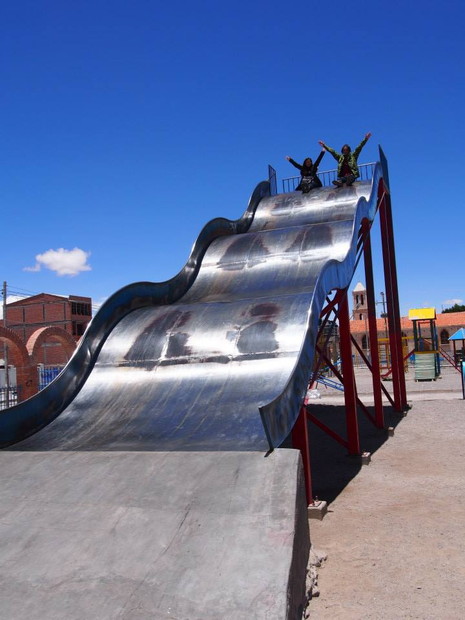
x: 219, y: 358
x: 427, y: 352
x: 426, y: 349
x: 385, y: 356
x: 459, y: 350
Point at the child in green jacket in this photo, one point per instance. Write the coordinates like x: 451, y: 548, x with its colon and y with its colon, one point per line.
x: 347, y: 168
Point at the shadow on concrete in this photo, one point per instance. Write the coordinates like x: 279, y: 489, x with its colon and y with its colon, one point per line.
x: 332, y: 467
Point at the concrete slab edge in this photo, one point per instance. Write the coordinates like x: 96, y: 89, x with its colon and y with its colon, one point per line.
x: 296, y: 589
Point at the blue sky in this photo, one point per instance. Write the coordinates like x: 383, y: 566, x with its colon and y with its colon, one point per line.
x: 128, y: 125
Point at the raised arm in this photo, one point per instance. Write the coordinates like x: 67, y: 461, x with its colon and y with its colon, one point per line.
x: 334, y: 153
x: 294, y: 163
x: 318, y: 159
x: 361, y: 145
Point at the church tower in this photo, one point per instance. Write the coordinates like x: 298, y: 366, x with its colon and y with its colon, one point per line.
x: 359, y: 303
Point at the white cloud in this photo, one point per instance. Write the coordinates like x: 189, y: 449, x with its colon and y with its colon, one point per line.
x: 63, y: 262
x: 451, y: 302
x: 35, y: 268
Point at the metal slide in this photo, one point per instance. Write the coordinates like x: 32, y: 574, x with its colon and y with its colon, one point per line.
x: 219, y: 357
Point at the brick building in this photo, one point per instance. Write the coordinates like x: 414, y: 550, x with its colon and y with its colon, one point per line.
x: 58, y: 321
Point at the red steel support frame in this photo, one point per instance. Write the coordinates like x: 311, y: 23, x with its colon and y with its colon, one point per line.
x: 350, y: 390
x: 372, y: 325
x: 300, y: 434
x: 392, y: 297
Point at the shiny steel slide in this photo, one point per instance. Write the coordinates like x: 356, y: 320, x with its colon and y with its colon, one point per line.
x: 219, y: 357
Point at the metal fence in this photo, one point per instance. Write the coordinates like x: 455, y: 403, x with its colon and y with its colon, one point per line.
x: 8, y: 397
x: 47, y: 374
x: 328, y: 176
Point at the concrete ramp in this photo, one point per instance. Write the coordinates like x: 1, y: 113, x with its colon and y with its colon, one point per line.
x: 106, y: 535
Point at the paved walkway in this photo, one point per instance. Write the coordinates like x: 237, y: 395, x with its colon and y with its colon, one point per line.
x: 395, y: 532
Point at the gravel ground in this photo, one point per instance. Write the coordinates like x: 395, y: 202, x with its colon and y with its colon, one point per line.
x: 394, y: 535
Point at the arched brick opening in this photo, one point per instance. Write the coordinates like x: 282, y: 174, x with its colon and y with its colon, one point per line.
x: 444, y: 336
x: 50, y: 335
x: 26, y: 370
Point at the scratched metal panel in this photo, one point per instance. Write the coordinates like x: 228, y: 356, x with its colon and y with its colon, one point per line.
x: 223, y: 366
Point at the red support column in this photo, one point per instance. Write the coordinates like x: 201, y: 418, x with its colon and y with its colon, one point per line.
x: 392, y: 297
x: 350, y: 392
x: 300, y: 442
x: 373, y: 328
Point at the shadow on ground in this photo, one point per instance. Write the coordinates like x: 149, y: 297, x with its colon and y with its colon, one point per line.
x: 332, y: 467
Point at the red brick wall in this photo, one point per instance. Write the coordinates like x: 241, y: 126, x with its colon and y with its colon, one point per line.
x: 28, y: 315
x: 51, y: 347
x: 53, y: 354
x: 54, y: 313
x: 14, y: 315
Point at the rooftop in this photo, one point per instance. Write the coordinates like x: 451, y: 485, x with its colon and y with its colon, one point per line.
x: 452, y: 320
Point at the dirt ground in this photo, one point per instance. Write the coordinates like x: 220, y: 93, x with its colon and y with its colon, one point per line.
x: 394, y: 534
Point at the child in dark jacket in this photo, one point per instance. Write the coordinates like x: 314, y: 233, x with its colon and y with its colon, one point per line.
x: 309, y: 179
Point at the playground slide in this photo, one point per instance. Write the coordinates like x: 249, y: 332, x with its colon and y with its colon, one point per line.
x: 219, y: 357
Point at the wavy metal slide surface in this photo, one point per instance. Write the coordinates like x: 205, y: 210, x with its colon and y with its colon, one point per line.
x: 219, y: 357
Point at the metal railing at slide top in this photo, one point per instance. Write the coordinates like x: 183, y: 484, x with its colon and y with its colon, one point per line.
x: 328, y: 176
